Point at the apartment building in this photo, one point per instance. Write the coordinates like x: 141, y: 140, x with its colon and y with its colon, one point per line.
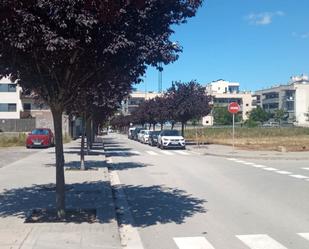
x: 130, y: 103
x: 10, y: 103
x: 224, y: 92
x: 292, y: 97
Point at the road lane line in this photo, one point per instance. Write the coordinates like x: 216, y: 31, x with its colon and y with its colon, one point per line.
x: 193, y: 243
x: 299, y: 176
x: 283, y: 172
x: 258, y: 166
x: 304, y: 235
x: 305, y: 168
x: 260, y: 241
x: 270, y: 169
x: 167, y: 153
x: 248, y: 163
x: 150, y: 152
x: 232, y: 159
x: 240, y: 161
x: 181, y: 152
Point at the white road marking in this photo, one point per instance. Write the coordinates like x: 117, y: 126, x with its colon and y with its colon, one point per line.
x: 135, y: 152
x: 299, y: 176
x: 167, y: 153
x: 305, y: 168
x: 232, y: 159
x: 260, y: 241
x: 193, y: 243
x: 270, y: 169
x: 248, y: 163
x: 304, y: 235
x: 258, y: 166
x: 239, y: 161
x: 283, y: 172
x: 181, y: 152
x: 150, y: 152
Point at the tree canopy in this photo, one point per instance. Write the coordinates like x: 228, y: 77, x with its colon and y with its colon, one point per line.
x: 58, y: 48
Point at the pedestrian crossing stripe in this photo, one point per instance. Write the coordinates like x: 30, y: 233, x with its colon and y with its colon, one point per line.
x: 260, y: 241
x: 270, y: 169
x: 283, y: 172
x: 304, y: 235
x: 193, y: 243
x: 167, y: 153
x: 152, y: 153
x: 181, y: 152
x: 299, y: 176
x: 252, y: 241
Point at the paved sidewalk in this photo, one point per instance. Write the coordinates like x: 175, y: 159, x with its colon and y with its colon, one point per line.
x: 29, y: 183
x: 227, y: 151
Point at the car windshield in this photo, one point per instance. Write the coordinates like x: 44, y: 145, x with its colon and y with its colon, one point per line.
x: 39, y: 132
x: 171, y: 133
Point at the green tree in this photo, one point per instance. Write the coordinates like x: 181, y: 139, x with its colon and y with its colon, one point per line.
x: 259, y: 115
x: 280, y: 115
x: 223, y: 117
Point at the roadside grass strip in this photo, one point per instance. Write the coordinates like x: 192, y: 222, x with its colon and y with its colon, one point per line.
x: 260, y: 241
x: 152, y: 153
x: 304, y: 235
x: 193, y: 243
x: 299, y: 176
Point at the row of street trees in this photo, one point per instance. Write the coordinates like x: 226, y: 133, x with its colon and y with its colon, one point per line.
x: 180, y: 103
x: 83, y: 56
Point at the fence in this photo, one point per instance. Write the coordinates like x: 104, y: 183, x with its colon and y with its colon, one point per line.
x: 17, y: 125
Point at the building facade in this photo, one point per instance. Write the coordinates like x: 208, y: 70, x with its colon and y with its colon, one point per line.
x: 224, y: 92
x: 292, y: 97
x: 10, y: 102
x: 130, y: 103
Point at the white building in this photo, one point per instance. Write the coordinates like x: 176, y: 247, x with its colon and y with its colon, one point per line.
x: 224, y: 92
x: 10, y: 102
x: 130, y: 103
x: 292, y: 97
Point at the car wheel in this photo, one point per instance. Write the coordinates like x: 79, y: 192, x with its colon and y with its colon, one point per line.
x: 162, y: 147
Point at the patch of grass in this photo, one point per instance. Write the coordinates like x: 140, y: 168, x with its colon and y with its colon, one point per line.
x: 293, y: 139
x: 11, y: 141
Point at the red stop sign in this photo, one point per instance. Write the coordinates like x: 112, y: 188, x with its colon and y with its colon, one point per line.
x: 233, y: 107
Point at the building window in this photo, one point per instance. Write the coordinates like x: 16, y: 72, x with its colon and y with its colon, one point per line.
x: 7, y: 107
x: 8, y: 88
x: 27, y: 106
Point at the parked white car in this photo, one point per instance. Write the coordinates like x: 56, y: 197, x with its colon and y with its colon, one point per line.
x: 171, y: 139
x: 140, y: 135
x: 145, y: 138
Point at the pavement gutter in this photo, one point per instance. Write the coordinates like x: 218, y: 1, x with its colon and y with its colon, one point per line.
x: 129, y: 236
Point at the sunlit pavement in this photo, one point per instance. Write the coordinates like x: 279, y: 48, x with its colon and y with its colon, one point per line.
x: 186, y: 200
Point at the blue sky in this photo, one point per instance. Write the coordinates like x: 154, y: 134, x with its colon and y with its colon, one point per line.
x: 258, y: 43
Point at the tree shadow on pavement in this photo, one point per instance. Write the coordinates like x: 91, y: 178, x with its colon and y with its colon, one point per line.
x: 21, y: 202
x: 150, y: 205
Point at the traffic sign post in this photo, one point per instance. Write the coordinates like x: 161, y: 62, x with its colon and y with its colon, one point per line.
x: 233, y: 108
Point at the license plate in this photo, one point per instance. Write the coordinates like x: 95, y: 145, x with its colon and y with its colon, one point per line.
x: 37, y: 143
x: 174, y: 143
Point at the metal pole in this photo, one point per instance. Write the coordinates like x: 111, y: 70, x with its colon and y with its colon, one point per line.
x: 233, y: 131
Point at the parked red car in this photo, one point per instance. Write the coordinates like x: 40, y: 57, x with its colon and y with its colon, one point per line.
x: 40, y: 137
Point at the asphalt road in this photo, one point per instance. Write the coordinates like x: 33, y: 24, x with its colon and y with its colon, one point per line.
x: 12, y: 154
x: 183, y: 200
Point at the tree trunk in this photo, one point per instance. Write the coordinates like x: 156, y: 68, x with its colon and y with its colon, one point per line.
x: 183, y: 129
x: 149, y: 126
x: 161, y: 126
x: 60, y: 183
x: 82, y: 145
x: 173, y: 124
x: 154, y: 126
x: 88, y: 134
